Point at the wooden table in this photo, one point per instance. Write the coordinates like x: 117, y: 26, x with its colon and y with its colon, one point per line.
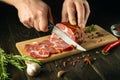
x: 103, y: 68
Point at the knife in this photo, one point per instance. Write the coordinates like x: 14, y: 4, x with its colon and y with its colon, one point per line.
x: 65, y: 37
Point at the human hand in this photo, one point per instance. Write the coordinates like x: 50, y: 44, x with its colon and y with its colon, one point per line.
x: 34, y: 13
x: 76, y: 12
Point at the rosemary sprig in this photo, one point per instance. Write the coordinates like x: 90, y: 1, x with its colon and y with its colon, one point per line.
x: 3, y: 63
x: 26, y: 58
x: 15, y: 60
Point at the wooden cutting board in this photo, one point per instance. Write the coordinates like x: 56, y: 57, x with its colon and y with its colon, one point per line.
x: 92, y: 41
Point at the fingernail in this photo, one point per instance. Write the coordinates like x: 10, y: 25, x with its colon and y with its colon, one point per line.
x: 44, y: 29
x: 73, y: 22
x: 81, y: 25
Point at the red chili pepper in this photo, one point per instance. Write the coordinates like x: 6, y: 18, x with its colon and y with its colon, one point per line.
x: 110, y: 46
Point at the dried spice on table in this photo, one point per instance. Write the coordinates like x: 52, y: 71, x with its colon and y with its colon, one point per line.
x: 64, y: 64
x: 87, y: 60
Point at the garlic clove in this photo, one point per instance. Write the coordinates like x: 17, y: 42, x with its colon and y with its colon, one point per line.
x: 30, y: 72
x: 60, y: 73
x: 33, y: 68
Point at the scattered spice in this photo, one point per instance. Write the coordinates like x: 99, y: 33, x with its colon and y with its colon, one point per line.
x: 96, y: 35
x: 83, y: 56
x: 92, y: 37
x: 78, y: 58
x: 97, y: 52
x: 69, y: 59
x: 88, y: 55
x: 64, y: 64
x: 73, y: 63
x: 94, y: 59
x: 78, y: 61
x: 87, y: 60
x: 99, y: 34
x: 60, y: 73
x: 84, y: 41
x: 92, y: 34
x: 56, y: 65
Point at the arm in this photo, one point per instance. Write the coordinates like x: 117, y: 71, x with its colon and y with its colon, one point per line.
x: 33, y: 13
x: 11, y: 2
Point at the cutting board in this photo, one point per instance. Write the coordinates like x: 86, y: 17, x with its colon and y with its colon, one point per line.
x: 92, y: 41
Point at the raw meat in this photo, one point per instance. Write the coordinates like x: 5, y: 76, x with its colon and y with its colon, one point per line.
x: 74, y: 32
x: 54, y: 44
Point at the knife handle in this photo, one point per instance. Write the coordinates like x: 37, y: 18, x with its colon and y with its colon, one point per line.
x: 50, y: 26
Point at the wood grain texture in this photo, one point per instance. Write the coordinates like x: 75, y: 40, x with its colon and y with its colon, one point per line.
x: 90, y: 43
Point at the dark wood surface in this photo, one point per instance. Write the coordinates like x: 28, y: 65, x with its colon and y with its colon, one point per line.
x: 103, y: 68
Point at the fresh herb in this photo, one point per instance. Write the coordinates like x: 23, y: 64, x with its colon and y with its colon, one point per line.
x: 3, y: 63
x: 90, y: 29
x: 15, y: 60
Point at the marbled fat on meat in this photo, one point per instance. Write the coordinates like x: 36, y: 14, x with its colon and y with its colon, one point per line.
x: 74, y: 32
x: 54, y: 44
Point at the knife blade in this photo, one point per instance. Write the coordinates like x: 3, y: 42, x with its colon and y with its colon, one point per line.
x: 66, y: 38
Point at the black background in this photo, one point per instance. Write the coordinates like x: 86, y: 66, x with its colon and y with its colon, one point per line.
x: 103, y: 12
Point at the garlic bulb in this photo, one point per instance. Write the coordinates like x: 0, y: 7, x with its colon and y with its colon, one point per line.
x: 33, y: 68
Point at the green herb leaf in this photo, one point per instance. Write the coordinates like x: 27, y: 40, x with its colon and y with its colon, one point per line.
x: 3, y: 63
x: 90, y: 29
x: 26, y: 58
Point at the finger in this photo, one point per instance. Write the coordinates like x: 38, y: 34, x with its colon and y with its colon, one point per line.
x: 81, y: 32
x: 64, y: 14
x: 50, y: 16
x: 80, y: 13
x: 87, y: 11
x: 26, y: 23
x: 71, y: 13
x: 36, y: 24
x: 43, y: 23
x: 31, y: 21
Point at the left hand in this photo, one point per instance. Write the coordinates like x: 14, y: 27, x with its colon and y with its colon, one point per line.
x: 76, y: 12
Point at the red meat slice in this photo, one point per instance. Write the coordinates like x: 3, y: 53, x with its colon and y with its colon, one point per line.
x: 48, y: 47
x: 54, y: 44
x: 74, y: 32
x: 59, y: 44
x: 41, y: 50
x: 35, y: 50
x: 39, y: 54
x: 31, y: 47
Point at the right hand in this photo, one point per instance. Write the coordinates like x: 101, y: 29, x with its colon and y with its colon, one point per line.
x: 34, y: 13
